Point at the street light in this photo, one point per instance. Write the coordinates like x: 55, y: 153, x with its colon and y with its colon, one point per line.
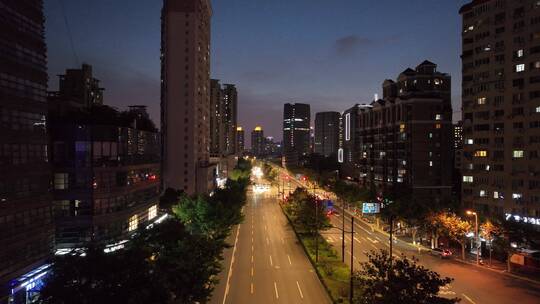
x: 477, y: 235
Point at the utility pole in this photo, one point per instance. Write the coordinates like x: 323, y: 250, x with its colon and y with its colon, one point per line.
x: 391, y: 229
x: 351, y: 292
x: 343, y: 232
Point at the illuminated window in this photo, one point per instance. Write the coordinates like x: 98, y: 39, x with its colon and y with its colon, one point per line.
x: 437, y: 126
x: 152, y: 212
x: 483, y: 193
x: 482, y: 100
x: 518, y: 153
x: 438, y: 81
x: 537, y: 110
x: 467, y: 179
x: 133, y: 223
x: 520, y: 67
x: 470, y: 141
x: 402, y: 128
x: 438, y: 116
x: 61, y: 181
x: 431, y: 163
x: 517, y: 195
x: 519, y: 53
x: 480, y: 153
x: 430, y: 135
x: 495, y: 194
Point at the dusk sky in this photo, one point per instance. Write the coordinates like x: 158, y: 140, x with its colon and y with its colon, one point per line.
x: 328, y: 53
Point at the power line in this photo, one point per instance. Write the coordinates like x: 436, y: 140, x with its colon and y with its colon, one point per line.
x: 70, y: 36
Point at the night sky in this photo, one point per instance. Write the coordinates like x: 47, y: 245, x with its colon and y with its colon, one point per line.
x: 328, y: 53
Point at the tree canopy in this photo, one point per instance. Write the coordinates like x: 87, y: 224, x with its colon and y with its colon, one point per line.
x: 385, y: 279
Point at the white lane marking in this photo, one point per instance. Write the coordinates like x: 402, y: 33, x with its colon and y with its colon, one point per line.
x: 275, y: 288
x: 299, y: 290
x: 251, y: 270
x: 227, y: 286
x: 271, y: 263
x: 468, y: 299
x: 372, y: 240
x: 252, y: 258
x: 267, y: 241
x: 251, y: 288
x: 289, y: 258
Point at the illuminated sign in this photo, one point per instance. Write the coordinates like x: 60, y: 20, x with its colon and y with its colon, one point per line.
x: 340, y: 155
x: 371, y: 208
x: 348, y: 126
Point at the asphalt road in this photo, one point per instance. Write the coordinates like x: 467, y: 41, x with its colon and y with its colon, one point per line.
x: 266, y: 263
x: 474, y: 285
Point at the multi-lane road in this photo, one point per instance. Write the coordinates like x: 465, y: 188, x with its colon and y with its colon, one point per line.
x: 474, y: 285
x: 266, y: 264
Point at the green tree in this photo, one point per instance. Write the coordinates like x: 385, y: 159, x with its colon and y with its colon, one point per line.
x: 385, y: 279
x: 307, y: 212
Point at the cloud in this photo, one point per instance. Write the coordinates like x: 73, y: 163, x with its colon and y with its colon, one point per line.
x: 350, y: 44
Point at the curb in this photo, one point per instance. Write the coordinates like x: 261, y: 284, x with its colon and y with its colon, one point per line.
x: 503, y: 272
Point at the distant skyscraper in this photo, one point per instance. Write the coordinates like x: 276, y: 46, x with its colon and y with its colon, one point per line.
x: 240, y: 140
x: 327, y: 133
x: 185, y: 93
x: 229, y: 118
x: 223, y: 118
x: 501, y: 108
x: 257, y: 141
x: 296, y: 132
x: 26, y: 222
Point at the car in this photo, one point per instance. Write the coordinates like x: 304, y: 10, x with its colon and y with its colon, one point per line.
x: 442, y: 253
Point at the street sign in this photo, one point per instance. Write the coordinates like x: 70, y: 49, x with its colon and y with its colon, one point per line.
x: 371, y: 208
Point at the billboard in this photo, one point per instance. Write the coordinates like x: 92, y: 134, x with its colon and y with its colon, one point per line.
x: 371, y: 208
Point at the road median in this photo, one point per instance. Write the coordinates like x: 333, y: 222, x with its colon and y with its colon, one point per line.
x: 333, y: 274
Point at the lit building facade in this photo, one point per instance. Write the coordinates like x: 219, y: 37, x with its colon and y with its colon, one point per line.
x: 501, y: 108
x: 223, y: 118
x: 26, y: 222
x: 296, y: 132
x: 106, y: 168
x: 240, y: 140
x: 185, y: 96
x: 403, y: 144
x: 327, y: 133
x: 257, y: 142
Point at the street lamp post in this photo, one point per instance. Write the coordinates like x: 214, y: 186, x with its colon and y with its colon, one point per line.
x: 316, y: 231
x: 351, y: 292
x: 477, y: 235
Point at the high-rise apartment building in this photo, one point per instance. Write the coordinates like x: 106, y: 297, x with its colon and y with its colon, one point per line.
x: 402, y: 144
x: 327, y: 133
x: 223, y: 118
x: 501, y: 108
x: 78, y: 86
x: 26, y: 224
x: 257, y: 141
x: 185, y: 96
x: 350, y: 138
x: 215, y: 117
x: 240, y: 140
x: 296, y: 132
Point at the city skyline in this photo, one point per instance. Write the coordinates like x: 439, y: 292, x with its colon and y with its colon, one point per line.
x: 326, y: 60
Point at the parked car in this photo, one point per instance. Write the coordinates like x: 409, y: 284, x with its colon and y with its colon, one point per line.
x: 442, y: 253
